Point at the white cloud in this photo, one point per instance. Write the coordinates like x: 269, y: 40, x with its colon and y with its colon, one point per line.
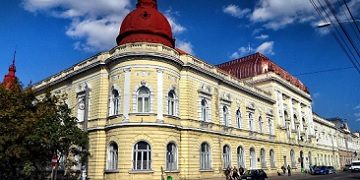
x: 357, y: 107
x: 316, y: 95
x: 93, y: 25
x: 266, y: 48
x: 235, y: 11
x: 175, y: 26
x: 262, y: 36
x: 185, y: 46
x: 357, y: 114
x: 242, y: 51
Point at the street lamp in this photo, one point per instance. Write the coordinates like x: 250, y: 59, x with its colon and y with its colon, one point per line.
x: 325, y: 24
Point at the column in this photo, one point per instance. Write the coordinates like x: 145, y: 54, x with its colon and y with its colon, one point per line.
x: 127, y: 93
x: 300, y: 116
x: 291, y: 113
x: 160, y: 90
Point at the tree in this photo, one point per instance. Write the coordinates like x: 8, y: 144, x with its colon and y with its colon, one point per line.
x: 33, y: 130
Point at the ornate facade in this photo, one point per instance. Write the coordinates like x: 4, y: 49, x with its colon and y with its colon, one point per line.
x: 154, y: 111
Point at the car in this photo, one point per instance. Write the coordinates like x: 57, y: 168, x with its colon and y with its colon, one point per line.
x: 254, y: 174
x: 321, y: 170
x: 355, y: 166
x: 347, y: 167
x: 331, y: 169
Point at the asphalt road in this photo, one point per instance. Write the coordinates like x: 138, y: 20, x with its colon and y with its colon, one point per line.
x: 337, y: 176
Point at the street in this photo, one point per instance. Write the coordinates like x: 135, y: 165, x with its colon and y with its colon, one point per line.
x: 339, y: 176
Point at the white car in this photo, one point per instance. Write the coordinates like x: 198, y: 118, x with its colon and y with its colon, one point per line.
x: 355, y: 166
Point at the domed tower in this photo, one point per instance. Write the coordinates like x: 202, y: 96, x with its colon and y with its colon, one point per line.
x: 146, y: 24
x: 10, y: 79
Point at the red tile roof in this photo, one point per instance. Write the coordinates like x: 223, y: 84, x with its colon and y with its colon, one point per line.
x: 256, y: 64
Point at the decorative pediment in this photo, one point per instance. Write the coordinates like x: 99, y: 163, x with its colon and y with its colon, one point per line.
x: 81, y: 87
x: 205, y: 89
x: 250, y: 105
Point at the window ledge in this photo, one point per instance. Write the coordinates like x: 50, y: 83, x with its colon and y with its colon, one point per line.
x: 141, y: 171
x: 172, y: 116
x: 109, y: 171
x: 206, y: 170
x: 114, y: 116
x: 143, y: 114
x: 172, y: 171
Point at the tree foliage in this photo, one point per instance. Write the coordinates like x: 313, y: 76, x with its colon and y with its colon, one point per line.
x: 32, y: 131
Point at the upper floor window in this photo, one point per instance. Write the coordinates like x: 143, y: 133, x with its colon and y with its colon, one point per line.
x: 270, y: 126
x: 205, y: 156
x: 226, y: 156
x: 251, y: 122
x: 238, y: 118
x: 204, y: 110
x: 226, y: 116
x: 260, y: 125
x: 114, y: 102
x: 81, y: 105
x: 142, y: 156
x: 143, y: 99
x: 112, y: 156
x: 171, y: 157
x: 171, y: 103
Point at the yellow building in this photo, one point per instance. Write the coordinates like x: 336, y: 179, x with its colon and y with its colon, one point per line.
x: 154, y: 111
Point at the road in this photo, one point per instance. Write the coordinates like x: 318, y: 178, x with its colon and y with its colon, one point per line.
x: 338, y: 176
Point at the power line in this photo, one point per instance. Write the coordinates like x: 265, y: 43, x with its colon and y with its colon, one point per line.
x: 323, y: 71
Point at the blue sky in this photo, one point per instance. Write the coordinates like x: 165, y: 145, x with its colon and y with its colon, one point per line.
x: 52, y: 35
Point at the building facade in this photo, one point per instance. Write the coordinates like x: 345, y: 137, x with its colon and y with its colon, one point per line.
x: 152, y: 110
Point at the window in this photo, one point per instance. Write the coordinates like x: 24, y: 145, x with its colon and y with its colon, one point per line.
x: 81, y: 102
x: 292, y: 156
x: 142, y: 156
x: 251, y: 123
x: 240, y: 157
x: 143, y: 100
x: 238, y: 118
x: 288, y: 133
x: 226, y: 156
x: 171, y: 157
x: 270, y: 126
x: 112, y: 156
x: 260, y: 125
x: 114, y: 102
x: 225, y: 116
x: 205, y: 156
x: 272, y: 158
x: 171, y: 103
x: 262, y: 158
x: 252, y: 158
x: 204, y: 110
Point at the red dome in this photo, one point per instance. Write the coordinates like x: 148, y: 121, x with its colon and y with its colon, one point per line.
x: 146, y: 24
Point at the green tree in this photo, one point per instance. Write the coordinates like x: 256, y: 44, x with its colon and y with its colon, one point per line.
x: 33, y: 130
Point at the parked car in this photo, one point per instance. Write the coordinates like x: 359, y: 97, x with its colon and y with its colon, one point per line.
x: 347, y: 167
x: 331, y: 169
x: 321, y: 170
x: 254, y: 174
x: 355, y: 166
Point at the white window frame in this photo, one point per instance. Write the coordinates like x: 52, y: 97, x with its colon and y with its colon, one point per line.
x: 260, y: 121
x: 252, y: 157
x: 263, y: 158
x: 240, y: 156
x: 238, y: 118
x: 226, y: 116
x: 143, y: 100
x: 292, y: 158
x: 271, y: 126
x: 143, y: 162
x: 114, y: 102
x: 81, y: 106
x: 205, y: 156
x: 251, y: 121
x: 204, y: 110
x: 226, y: 156
x: 172, y: 103
x: 113, y: 151
x: 171, y: 157
x: 272, y: 158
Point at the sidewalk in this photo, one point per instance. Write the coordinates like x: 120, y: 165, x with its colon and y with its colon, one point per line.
x: 293, y: 175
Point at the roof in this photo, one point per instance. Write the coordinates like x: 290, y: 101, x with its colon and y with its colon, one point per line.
x: 257, y: 64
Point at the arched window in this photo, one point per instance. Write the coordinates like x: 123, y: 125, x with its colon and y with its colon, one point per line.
x: 204, y: 110
x: 142, y: 156
x: 114, y: 102
x: 226, y: 156
x: 143, y: 100
x: 270, y: 122
x: 171, y: 157
x: 240, y: 157
x: 252, y: 158
x: 112, y: 156
x: 260, y: 125
x: 238, y: 118
x: 205, y: 156
x: 272, y: 158
x: 251, y: 123
x: 225, y: 116
x: 171, y: 103
x: 262, y: 158
x: 292, y: 158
